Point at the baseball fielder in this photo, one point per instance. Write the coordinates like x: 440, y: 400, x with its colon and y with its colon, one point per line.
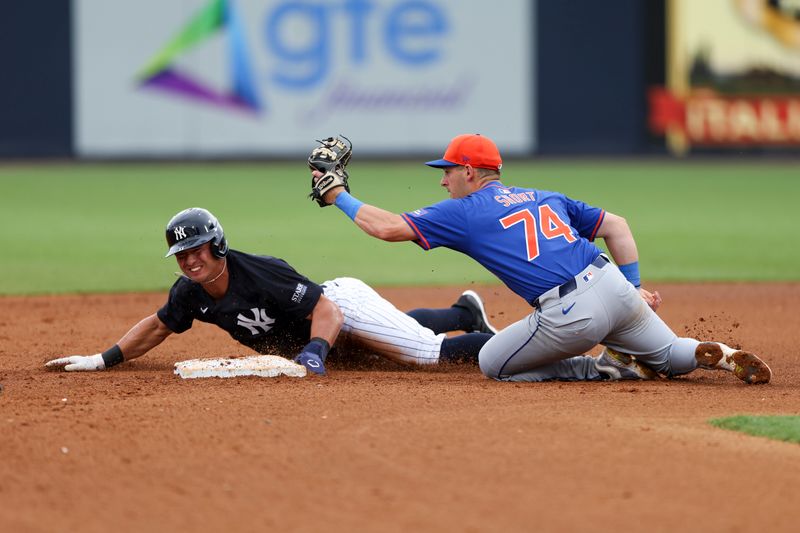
x: 540, y: 244
x: 263, y: 303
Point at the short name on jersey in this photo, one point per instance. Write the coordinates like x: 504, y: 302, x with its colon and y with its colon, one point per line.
x: 510, y: 198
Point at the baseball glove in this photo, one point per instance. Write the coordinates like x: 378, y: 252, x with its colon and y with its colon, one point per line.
x: 330, y: 158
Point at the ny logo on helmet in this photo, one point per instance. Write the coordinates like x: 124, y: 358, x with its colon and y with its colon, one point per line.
x: 180, y: 233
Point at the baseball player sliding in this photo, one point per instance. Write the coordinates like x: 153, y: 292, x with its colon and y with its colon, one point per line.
x: 263, y: 303
x: 540, y: 244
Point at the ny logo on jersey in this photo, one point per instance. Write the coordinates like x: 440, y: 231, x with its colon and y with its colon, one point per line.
x: 259, y: 320
x: 180, y: 233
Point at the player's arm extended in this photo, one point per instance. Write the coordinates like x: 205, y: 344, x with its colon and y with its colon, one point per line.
x: 143, y: 337
x: 621, y: 245
x: 140, y: 339
x: 377, y: 222
x: 383, y: 224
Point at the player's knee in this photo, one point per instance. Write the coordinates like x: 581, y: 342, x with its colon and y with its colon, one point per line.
x: 486, y: 362
x: 682, y: 356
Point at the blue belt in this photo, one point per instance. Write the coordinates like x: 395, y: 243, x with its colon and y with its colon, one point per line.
x: 565, y: 288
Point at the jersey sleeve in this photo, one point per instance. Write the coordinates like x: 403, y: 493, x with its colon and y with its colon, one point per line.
x: 584, y: 217
x: 294, y: 294
x: 176, y: 314
x: 442, y: 224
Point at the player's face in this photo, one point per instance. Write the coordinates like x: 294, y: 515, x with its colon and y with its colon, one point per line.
x: 199, y: 264
x: 454, y: 180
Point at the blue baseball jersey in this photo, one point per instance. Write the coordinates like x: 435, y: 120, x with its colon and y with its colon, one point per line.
x: 532, y: 240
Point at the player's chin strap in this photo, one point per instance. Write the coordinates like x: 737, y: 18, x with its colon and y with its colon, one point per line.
x: 221, y: 272
x: 224, y: 264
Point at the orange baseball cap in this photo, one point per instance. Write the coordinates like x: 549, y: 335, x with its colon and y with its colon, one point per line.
x: 470, y: 149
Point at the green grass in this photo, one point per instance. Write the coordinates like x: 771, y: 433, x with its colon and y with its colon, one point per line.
x: 99, y: 227
x: 785, y: 428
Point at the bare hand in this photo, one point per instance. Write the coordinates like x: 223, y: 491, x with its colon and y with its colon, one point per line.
x: 653, y: 299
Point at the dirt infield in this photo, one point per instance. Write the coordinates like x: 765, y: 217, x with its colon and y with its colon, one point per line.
x: 378, y: 447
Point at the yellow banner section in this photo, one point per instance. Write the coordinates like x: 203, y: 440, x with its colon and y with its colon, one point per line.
x: 733, y: 74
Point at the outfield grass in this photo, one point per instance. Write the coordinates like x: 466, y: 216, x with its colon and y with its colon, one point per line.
x: 785, y: 428
x: 99, y: 227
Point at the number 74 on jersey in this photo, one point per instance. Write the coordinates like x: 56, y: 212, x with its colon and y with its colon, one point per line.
x: 550, y: 226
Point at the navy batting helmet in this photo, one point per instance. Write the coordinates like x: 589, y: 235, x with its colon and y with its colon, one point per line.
x: 192, y: 227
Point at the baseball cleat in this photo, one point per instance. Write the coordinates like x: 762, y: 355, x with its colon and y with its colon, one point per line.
x: 618, y: 366
x: 745, y: 365
x: 470, y: 301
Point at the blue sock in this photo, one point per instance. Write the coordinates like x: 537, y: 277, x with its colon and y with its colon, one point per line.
x: 443, y: 320
x: 463, y: 348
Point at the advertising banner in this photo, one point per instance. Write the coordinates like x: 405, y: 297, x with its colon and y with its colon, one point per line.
x: 733, y: 75
x: 267, y: 77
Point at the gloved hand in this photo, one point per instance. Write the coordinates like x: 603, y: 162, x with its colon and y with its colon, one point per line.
x: 329, y: 160
x: 312, y: 362
x: 79, y: 363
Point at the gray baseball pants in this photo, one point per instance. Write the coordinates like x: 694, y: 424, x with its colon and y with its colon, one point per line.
x: 601, y: 307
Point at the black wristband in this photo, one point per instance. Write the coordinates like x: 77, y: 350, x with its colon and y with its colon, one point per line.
x: 318, y: 346
x: 112, y: 356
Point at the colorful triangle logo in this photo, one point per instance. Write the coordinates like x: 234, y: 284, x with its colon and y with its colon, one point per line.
x: 217, y: 15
